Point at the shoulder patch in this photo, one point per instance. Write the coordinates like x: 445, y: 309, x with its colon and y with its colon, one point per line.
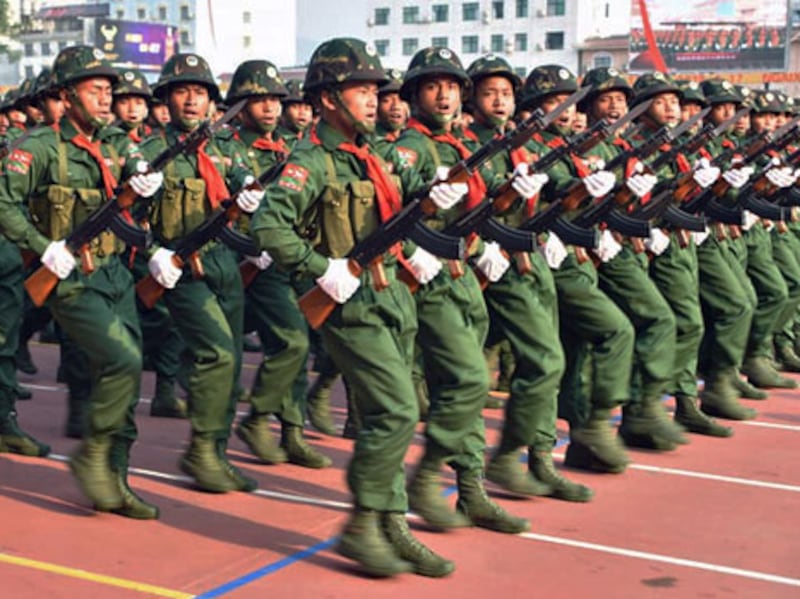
x: 19, y: 161
x: 408, y: 157
x: 293, y: 177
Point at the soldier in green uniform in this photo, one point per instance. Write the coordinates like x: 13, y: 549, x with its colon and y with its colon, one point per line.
x: 590, y: 323
x: 271, y: 298
x: 131, y: 96
x: 208, y: 310
x: 522, y: 309
x: 297, y: 113
x: 64, y: 174
x: 334, y: 192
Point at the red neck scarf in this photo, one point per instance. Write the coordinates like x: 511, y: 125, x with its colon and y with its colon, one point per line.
x: 268, y: 145
x: 93, y: 149
x: 216, y: 190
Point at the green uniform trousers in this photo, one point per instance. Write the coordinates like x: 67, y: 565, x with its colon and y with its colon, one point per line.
x: 371, y: 339
x: 209, y: 314
x: 597, y: 339
x: 727, y: 310
x: 770, y: 288
x: 531, y: 327
x: 271, y: 310
x: 785, y: 252
x: 98, y: 313
x: 453, y: 324
x: 624, y: 279
x: 11, y: 306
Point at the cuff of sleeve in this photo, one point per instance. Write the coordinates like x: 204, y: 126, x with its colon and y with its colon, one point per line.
x: 317, y: 265
x: 38, y: 243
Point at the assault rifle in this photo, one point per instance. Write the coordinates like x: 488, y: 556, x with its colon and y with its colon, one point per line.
x: 110, y: 215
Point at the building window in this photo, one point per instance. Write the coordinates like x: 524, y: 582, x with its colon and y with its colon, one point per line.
x: 602, y: 59
x: 381, y: 16
x: 29, y: 74
x: 382, y: 47
x: 45, y: 48
x: 120, y: 13
x: 441, y: 13
x: 498, y: 9
x: 522, y: 9
x: 410, y: 45
x: 410, y: 15
x: 469, y: 44
x: 246, y: 16
x: 185, y: 14
x: 61, y: 45
x: 497, y: 43
x: 141, y: 14
x: 554, y: 40
x: 186, y: 39
x: 608, y: 9
x: 469, y: 11
x: 555, y: 8
x: 520, y: 42
x: 522, y: 72
x: 247, y: 41
x: 28, y: 49
x: 439, y: 42
x: 162, y: 14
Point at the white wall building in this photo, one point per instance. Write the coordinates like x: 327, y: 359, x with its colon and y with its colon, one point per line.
x: 526, y: 32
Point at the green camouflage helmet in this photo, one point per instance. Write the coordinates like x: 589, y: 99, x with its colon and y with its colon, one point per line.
x: 132, y: 83
x: 546, y: 80
x: 433, y: 61
x: 44, y: 84
x: 492, y: 65
x: 692, y: 93
x: 720, y: 91
x: 602, y: 80
x: 8, y: 100
x: 787, y: 103
x: 296, y: 92
x: 746, y: 94
x: 342, y: 60
x: 25, y: 93
x: 186, y: 68
x: 256, y: 78
x: 395, y: 82
x: 766, y: 102
x: 81, y: 62
x: 652, y: 84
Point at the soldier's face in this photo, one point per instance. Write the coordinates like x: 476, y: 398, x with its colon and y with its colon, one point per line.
x: 781, y: 119
x: 611, y: 105
x: 90, y: 103
x: 299, y: 115
x: 763, y: 121
x: 665, y: 110
x: 392, y: 111
x: 689, y: 109
x: 742, y: 126
x: 160, y: 113
x: 188, y: 103
x: 721, y: 112
x: 553, y: 101
x: 494, y: 99
x: 53, y: 109
x: 440, y: 97
x: 579, y: 122
x: 131, y: 109
x: 262, y: 113
x: 360, y: 99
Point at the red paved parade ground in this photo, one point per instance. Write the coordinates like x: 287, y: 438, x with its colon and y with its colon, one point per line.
x: 716, y: 518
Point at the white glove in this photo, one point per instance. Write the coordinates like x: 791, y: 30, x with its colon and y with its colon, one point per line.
x: 163, y: 268
x: 599, y: 183
x: 527, y: 184
x: 748, y: 220
x: 780, y: 177
x: 58, y: 259
x: 492, y: 262
x: 446, y: 195
x: 337, y: 281
x: 263, y: 261
x: 699, y: 237
x: 249, y: 200
x: 737, y: 177
x: 657, y: 243
x: 424, y: 266
x: 608, y: 247
x: 146, y: 184
x: 704, y: 174
x: 554, y: 251
x: 641, y: 184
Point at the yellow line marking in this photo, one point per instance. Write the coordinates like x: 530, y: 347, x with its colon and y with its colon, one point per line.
x: 92, y: 577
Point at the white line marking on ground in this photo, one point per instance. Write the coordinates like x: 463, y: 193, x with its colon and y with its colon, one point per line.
x: 655, y: 557
x: 775, y: 425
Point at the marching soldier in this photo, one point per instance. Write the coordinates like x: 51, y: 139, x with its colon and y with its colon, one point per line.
x: 297, y: 113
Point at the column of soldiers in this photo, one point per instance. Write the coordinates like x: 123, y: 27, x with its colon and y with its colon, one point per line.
x: 314, y: 175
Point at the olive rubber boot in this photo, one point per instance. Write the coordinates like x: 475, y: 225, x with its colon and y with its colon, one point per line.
x: 24, y: 360
x: 18, y: 441
x: 298, y: 451
x: 788, y: 360
x: 540, y: 464
x: 688, y: 415
x: 505, y: 471
x: 240, y: 480
x: 22, y: 393
x: 426, y: 500
x: 133, y: 506
x: 254, y: 431
x: 763, y: 375
x: 647, y: 425
x: 594, y: 446
x: 165, y: 403
x: 746, y: 390
x: 363, y: 541
x: 474, y: 504
x: 77, y: 416
x: 202, y: 462
x: 318, y: 404
x: 91, y: 466
x: 425, y: 562
x: 720, y: 398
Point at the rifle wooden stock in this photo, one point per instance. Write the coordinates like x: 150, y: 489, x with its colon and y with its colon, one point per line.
x: 317, y: 305
x: 407, y: 277
x: 637, y: 244
x: 149, y: 290
x: 523, y: 262
x: 248, y: 271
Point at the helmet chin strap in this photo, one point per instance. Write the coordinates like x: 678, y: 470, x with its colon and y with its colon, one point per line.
x: 494, y: 121
x: 439, y: 119
x: 96, y: 123
x: 365, y: 128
